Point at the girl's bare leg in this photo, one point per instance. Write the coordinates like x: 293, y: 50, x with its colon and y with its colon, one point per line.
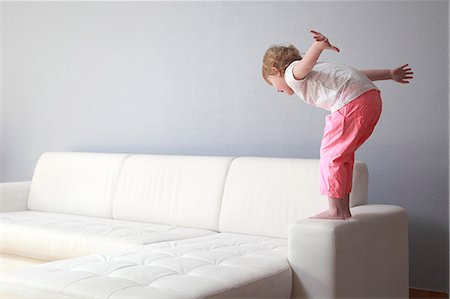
x: 346, y: 207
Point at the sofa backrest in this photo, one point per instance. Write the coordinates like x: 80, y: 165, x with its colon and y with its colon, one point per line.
x: 249, y: 195
x: 75, y: 183
x: 174, y: 190
x: 262, y: 196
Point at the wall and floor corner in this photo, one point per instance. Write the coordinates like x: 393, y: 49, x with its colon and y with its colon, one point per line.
x: 184, y: 78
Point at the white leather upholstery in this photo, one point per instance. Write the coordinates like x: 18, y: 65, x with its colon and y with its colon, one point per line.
x: 96, y: 203
x: 175, y: 190
x: 75, y: 183
x: 14, y: 196
x: 10, y: 262
x: 215, y: 266
x: 53, y: 236
x: 263, y: 196
x: 364, y: 257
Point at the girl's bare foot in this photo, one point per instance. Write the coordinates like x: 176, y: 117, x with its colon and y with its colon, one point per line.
x: 338, y: 209
x: 329, y: 215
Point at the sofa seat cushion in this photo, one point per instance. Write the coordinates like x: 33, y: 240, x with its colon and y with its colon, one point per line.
x: 54, y: 236
x: 222, y: 265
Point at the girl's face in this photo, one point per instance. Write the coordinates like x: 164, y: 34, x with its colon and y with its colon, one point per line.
x: 279, y: 83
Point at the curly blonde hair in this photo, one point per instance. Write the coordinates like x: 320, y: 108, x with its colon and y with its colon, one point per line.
x: 279, y: 57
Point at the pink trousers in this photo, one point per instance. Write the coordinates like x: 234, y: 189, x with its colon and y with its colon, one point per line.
x: 345, y: 131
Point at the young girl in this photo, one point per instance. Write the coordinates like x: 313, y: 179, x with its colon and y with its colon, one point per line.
x: 352, y: 98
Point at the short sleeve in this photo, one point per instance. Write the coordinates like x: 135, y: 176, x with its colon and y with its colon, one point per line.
x: 293, y: 83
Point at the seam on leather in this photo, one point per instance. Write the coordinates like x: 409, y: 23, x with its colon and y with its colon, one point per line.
x: 115, y: 186
x: 286, y: 269
x: 223, y: 192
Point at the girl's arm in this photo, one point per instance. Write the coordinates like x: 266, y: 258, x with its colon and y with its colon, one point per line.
x: 375, y: 75
x: 305, y: 65
x: 400, y: 74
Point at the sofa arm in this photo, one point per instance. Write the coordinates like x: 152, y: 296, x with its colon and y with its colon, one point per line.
x: 363, y: 257
x: 14, y: 196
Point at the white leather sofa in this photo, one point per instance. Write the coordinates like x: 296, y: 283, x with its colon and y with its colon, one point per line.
x: 103, y: 225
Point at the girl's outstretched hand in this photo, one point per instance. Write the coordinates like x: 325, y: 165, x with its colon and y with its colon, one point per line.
x: 319, y: 37
x: 401, y: 74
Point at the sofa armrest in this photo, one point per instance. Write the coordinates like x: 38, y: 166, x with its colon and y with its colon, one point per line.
x: 14, y: 196
x: 363, y: 257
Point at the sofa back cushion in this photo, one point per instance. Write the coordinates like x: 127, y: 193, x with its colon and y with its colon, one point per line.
x: 174, y: 190
x: 75, y: 183
x: 263, y: 196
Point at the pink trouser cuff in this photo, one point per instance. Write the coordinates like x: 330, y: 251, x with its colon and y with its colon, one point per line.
x: 332, y: 194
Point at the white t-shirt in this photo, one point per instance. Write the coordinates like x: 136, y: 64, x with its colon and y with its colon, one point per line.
x: 329, y: 85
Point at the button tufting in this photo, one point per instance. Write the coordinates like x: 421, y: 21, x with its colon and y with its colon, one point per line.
x: 74, y: 230
x: 181, y: 269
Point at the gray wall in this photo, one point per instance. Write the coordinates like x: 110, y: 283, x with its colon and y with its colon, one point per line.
x: 184, y: 78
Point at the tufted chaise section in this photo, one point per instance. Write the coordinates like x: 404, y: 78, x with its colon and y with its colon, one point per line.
x: 53, y: 236
x: 219, y: 265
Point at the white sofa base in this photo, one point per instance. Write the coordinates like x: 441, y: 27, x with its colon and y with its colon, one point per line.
x: 265, y: 288
x: 363, y: 257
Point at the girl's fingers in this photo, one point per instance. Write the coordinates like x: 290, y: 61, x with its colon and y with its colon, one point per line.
x: 320, y: 38
x: 317, y: 34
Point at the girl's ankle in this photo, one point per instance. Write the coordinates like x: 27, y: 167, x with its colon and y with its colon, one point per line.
x: 335, y: 212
